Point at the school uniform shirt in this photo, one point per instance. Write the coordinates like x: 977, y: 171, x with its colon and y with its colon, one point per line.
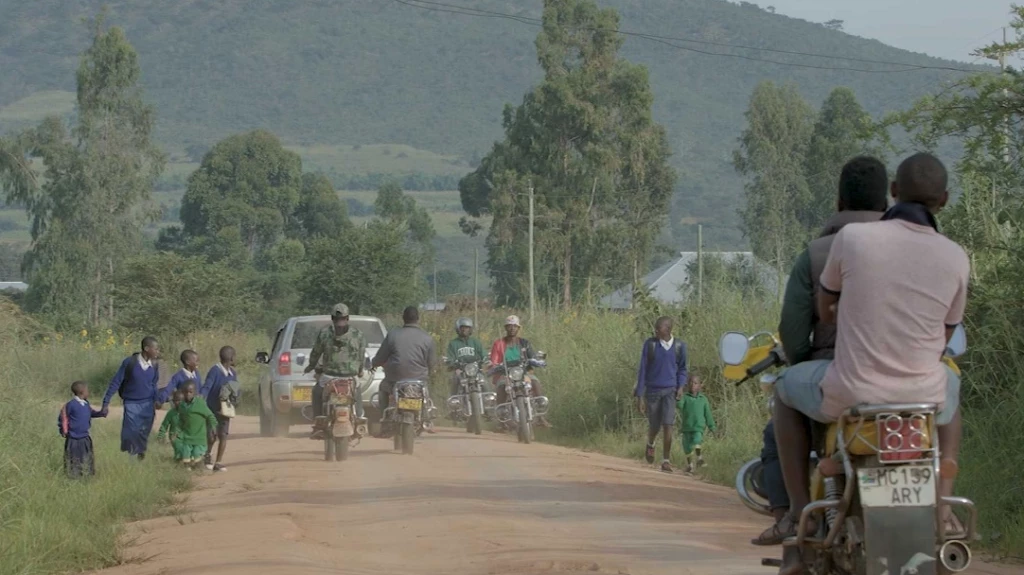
x: 178, y: 381
x: 75, y: 419
x: 217, y: 378
x: 135, y: 381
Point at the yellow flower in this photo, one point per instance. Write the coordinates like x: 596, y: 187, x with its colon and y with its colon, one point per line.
x: 110, y: 331
x: 111, y: 340
x: 88, y: 345
x: 59, y: 337
x: 85, y: 333
x: 46, y: 338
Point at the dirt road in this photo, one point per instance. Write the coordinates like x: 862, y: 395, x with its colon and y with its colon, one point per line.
x: 473, y: 505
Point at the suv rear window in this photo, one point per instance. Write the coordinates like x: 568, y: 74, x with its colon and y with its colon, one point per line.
x: 305, y: 332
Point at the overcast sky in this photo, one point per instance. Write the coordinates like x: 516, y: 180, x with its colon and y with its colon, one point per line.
x: 945, y: 28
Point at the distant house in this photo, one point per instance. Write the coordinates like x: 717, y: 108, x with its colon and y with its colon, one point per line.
x: 668, y: 283
x: 432, y: 306
x: 13, y: 286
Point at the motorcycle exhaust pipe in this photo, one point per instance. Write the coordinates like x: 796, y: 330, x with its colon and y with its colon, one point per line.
x: 955, y: 556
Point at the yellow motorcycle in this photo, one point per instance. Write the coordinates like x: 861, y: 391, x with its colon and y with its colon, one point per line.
x: 875, y: 490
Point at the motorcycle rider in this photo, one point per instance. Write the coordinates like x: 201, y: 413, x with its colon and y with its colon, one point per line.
x: 406, y: 353
x: 463, y: 349
x: 513, y: 348
x: 904, y: 290
x: 863, y: 197
x: 343, y: 350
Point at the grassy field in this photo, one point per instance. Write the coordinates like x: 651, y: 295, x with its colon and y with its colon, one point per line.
x: 35, y: 108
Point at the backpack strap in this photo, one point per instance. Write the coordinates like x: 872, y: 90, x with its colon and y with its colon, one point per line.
x: 652, y: 348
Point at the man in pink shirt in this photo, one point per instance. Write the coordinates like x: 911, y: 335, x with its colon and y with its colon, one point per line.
x: 903, y: 289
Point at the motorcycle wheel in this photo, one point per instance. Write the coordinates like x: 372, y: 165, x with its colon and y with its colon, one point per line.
x: 328, y: 448
x: 525, y: 432
x: 476, y: 425
x: 398, y: 439
x: 407, y: 434
x: 341, y: 448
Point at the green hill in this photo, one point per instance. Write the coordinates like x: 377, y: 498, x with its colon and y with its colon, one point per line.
x: 327, y: 74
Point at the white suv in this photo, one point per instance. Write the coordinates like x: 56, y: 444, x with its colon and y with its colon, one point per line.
x: 286, y: 393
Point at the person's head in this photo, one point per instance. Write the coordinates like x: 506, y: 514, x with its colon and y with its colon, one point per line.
x: 411, y: 315
x: 464, y: 327
x: 188, y: 393
x: 339, y: 317
x: 922, y: 179
x: 80, y: 389
x: 512, y: 325
x: 177, y: 396
x: 663, y: 328
x: 189, y: 360
x: 227, y: 356
x: 863, y: 186
x: 150, y: 348
x: 696, y: 383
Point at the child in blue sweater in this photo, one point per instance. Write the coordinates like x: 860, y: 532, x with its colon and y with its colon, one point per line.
x: 660, y: 382
x: 136, y: 382
x: 221, y: 387
x: 189, y: 372
x: 74, y: 423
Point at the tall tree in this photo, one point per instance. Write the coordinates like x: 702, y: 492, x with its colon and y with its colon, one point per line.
x: 772, y: 156
x: 88, y: 210
x: 248, y: 182
x: 842, y: 130
x: 585, y: 142
x: 400, y: 210
x: 320, y: 212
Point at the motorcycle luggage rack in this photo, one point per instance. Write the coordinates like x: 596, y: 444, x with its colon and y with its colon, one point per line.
x: 895, y: 426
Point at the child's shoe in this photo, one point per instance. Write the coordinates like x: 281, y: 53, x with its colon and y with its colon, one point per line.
x: 700, y: 462
x: 689, y: 467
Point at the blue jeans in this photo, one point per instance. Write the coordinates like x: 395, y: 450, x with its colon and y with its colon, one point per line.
x: 771, y: 471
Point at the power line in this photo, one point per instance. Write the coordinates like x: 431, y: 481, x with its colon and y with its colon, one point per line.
x: 668, y: 41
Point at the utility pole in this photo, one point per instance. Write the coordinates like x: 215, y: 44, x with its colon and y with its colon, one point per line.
x: 476, y: 287
x: 700, y: 264
x: 532, y: 291
x: 434, y: 281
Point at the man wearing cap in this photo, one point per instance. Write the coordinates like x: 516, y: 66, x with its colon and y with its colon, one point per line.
x: 343, y: 351
x: 407, y: 353
x: 512, y: 348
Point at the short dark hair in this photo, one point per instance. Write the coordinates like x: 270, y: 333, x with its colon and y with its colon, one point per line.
x: 922, y: 179
x: 148, y: 342
x: 188, y: 384
x: 864, y: 185
x: 178, y: 394
x: 662, y: 321
x: 411, y: 315
x: 78, y: 387
x: 227, y: 352
x: 187, y: 354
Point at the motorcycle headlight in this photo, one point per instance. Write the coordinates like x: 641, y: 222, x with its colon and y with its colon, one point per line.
x: 454, y: 402
x: 472, y: 369
x: 516, y: 373
x: 490, y: 400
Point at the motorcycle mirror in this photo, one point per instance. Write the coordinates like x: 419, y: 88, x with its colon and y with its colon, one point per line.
x: 957, y: 344
x: 733, y: 348
x: 262, y: 357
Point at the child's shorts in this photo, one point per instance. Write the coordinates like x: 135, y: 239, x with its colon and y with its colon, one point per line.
x: 193, y: 452
x: 692, y: 440
x: 179, y: 449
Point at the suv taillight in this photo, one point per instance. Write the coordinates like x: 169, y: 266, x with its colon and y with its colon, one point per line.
x: 284, y: 364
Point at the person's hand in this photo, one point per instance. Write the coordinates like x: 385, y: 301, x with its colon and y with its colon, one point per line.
x: 679, y: 393
x: 105, y: 411
x: 308, y: 369
x: 641, y: 405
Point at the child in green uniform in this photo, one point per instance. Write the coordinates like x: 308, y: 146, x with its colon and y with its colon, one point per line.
x: 695, y: 416
x: 197, y: 425
x: 171, y: 426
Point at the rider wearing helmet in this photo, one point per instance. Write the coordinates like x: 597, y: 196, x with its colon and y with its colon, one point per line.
x: 463, y: 349
x: 514, y: 348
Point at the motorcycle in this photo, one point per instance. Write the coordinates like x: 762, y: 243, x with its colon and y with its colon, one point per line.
x: 471, y: 404
x: 521, y: 408
x: 874, y: 481
x: 410, y: 411
x: 339, y: 422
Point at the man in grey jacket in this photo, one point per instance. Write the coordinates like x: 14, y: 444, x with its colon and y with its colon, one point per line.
x: 406, y: 353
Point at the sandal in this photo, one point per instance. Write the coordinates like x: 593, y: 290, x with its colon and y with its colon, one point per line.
x: 771, y: 536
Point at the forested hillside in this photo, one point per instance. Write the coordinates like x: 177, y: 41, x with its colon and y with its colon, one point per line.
x: 382, y: 71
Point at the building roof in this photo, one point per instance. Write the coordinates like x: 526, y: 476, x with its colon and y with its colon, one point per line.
x: 15, y: 286
x: 667, y: 283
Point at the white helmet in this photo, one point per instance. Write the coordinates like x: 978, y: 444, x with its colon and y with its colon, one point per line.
x: 462, y: 322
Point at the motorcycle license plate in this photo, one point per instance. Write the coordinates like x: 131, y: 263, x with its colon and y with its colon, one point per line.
x: 302, y: 394
x: 903, y: 486
x: 341, y: 400
x: 406, y: 403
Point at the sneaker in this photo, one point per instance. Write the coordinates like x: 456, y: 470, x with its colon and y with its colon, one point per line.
x: 700, y: 462
x: 689, y: 468
x: 207, y: 459
x: 219, y: 467
x: 649, y: 454
x: 666, y: 466
x: 209, y: 467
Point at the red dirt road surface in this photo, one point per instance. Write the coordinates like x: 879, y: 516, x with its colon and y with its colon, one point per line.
x: 463, y: 504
